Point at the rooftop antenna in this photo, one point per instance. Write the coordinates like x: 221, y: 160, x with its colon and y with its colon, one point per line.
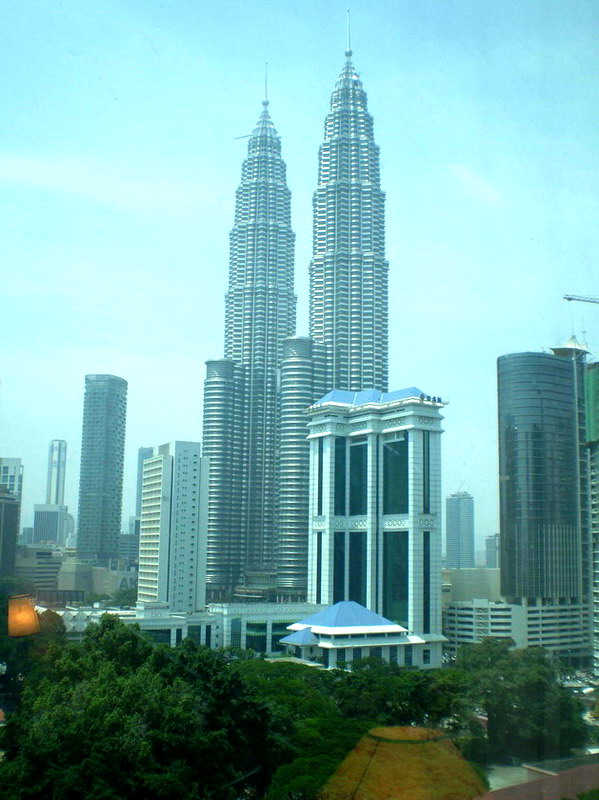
x: 348, y: 52
x: 265, y: 101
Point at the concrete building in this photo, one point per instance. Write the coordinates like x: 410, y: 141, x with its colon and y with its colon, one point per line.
x: 101, y: 476
x: 466, y: 584
x: 247, y: 626
x: 129, y: 547
x: 544, y: 489
x: 77, y: 577
x: 57, y: 464
x: 492, y: 547
x: 459, y: 527
x: 9, y: 530
x: 375, y: 505
x: 172, y: 541
x: 26, y: 535
x: 561, y: 629
x: 241, y: 400
x: 39, y: 565
x: 11, y: 476
x: 347, y: 632
x: 50, y: 523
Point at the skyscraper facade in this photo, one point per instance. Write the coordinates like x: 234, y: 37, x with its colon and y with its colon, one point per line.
x: 544, y: 514
x: 348, y: 306
x: 348, y: 271
x: 101, y: 475
x: 592, y: 438
x: 375, y: 506
x: 172, y: 541
x: 57, y: 463
x: 459, y: 527
x: 241, y: 398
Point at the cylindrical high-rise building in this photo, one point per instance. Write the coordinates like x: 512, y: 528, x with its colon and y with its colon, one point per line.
x: 259, y: 315
x: 348, y: 272
x: 101, y: 475
x: 301, y: 375
x: 545, y: 548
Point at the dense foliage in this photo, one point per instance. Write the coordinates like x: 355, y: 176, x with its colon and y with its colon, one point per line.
x: 114, y: 717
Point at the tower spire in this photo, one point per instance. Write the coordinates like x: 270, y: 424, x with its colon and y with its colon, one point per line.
x: 265, y: 101
x: 348, y: 52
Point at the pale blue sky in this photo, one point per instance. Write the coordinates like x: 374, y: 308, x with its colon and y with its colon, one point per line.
x: 119, y: 163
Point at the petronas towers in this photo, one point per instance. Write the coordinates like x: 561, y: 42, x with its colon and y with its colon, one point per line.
x: 256, y: 396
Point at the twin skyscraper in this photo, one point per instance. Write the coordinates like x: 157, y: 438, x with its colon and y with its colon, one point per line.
x: 255, y: 398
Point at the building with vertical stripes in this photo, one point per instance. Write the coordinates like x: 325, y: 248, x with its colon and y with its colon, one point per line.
x: 375, y: 506
x: 241, y: 398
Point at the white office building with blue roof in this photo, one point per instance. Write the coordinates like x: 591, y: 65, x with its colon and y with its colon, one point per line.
x: 375, y: 508
x: 347, y: 632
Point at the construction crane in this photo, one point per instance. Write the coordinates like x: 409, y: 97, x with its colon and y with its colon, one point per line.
x: 581, y: 299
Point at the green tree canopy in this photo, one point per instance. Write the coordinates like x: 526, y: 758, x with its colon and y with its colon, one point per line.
x: 113, y: 717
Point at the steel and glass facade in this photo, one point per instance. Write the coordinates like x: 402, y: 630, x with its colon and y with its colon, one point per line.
x: 348, y: 304
x: 348, y: 271
x: 542, y: 466
x: 241, y: 397
x: 101, y: 475
x: 592, y: 438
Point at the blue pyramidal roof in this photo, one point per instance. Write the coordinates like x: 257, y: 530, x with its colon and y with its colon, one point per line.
x: 367, y: 396
x: 305, y: 636
x: 346, y: 614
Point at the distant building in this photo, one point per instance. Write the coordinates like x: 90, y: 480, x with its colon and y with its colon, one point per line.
x: 142, y: 454
x: 172, y: 539
x: 544, y: 491
x: 459, y: 527
x: 492, y: 545
x: 129, y: 547
x: 26, y: 535
x: 11, y: 476
x: 9, y: 529
x: 50, y: 524
x: 57, y: 464
x: 466, y: 584
x: 375, y: 505
x: 560, y: 629
x: 38, y: 565
x: 101, y: 476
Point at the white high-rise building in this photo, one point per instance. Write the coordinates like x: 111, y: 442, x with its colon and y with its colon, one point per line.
x: 459, y: 529
x: 57, y: 464
x: 375, y: 506
x: 172, y: 542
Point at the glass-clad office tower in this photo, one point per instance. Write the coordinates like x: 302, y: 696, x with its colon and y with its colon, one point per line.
x: 545, y: 547
x: 241, y: 398
x: 101, y: 475
x: 592, y: 438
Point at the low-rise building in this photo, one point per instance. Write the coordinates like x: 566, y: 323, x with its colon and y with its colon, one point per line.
x: 558, y: 628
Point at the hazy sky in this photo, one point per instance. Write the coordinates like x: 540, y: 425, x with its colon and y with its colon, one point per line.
x: 119, y: 163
